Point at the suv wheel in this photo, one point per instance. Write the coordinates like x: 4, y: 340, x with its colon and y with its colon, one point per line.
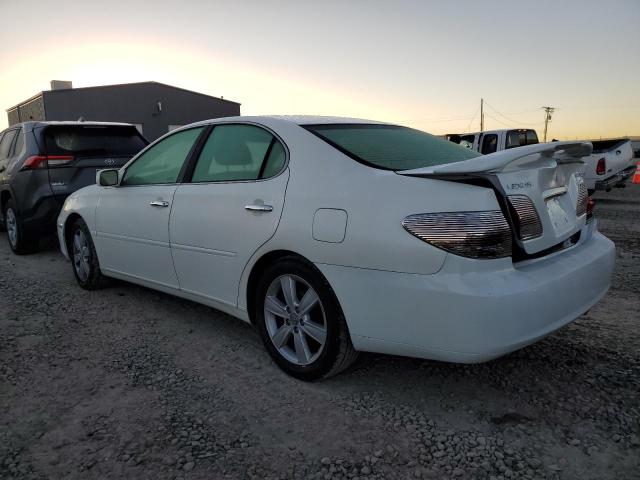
x: 19, y: 241
x: 301, y: 322
x: 84, y: 259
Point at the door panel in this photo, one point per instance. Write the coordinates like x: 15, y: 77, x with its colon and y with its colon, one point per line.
x: 132, y: 236
x: 213, y: 235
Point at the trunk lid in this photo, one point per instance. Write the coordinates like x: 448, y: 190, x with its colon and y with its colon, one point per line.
x: 549, y: 175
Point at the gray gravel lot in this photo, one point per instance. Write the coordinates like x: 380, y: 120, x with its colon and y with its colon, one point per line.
x: 130, y: 383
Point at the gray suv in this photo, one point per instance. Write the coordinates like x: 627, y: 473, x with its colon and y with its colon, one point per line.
x: 41, y: 163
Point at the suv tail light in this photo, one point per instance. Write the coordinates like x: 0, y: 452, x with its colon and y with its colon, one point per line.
x: 601, y: 167
x: 481, y: 235
x: 528, y: 224
x: 44, y: 161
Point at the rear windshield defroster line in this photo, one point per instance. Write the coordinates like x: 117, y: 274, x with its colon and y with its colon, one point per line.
x: 390, y: 147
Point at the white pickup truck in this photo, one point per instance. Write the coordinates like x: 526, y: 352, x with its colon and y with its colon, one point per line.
x: 491, y: 141
x: 610, y: 164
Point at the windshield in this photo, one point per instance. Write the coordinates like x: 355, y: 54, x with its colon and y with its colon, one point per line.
x: 93, y: 140
x: 391, y: 147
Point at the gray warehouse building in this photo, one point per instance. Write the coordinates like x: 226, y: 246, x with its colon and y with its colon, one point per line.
x: 155, y: 108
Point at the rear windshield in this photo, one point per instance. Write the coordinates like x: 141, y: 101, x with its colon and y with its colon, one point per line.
x: 601, y: 146
x: 93, y: 140
x: 520, y: 138
x: 391, y: 147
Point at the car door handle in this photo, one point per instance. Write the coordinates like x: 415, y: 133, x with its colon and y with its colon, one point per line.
x: 258, y: 208
x: 159, y: 203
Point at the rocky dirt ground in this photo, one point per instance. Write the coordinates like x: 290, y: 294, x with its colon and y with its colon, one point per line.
x: 130, y: 383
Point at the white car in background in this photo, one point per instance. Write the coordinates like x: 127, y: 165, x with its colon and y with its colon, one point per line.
x: 610, y: 164
x: 337, y: 235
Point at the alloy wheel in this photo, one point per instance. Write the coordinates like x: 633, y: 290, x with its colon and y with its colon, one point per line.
x: 295, y: 319
x: 81, y: 255
x: 12, y: 226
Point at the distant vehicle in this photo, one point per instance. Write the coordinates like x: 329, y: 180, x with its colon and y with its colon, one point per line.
x: 491, y: 141
x: 41, y: 163
x: 334, y: 236
x: 610, y: 165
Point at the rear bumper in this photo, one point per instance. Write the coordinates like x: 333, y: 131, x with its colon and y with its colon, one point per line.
x: 616, y: 179
x: 42, y: 217
x: 462, y: 315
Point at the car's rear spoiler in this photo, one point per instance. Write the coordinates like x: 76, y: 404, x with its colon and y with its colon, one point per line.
x: 562, y: 152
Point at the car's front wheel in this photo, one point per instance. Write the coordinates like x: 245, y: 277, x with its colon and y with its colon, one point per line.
x: 84, y: 259
x: 19, y: 240
x: 301, y: 322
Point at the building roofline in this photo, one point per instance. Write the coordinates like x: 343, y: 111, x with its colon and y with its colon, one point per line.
x: 39, y: 94
x: 151, y: 82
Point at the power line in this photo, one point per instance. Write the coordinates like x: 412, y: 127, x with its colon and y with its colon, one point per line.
x: 504, y: 116
x: 472, y: 119
x: 499, y: 121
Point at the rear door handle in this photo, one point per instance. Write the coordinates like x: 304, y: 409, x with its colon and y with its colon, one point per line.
x: 258, y: 208
x: 159, y: 203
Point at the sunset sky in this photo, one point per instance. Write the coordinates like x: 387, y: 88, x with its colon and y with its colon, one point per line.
x: 421, y: 63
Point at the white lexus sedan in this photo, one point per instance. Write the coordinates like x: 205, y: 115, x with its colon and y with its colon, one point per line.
x: 336, y: 235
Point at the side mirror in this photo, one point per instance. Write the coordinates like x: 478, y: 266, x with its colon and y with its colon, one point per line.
x: 107, y: 178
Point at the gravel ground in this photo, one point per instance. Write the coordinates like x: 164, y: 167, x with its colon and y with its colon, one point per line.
x: 131, y: 383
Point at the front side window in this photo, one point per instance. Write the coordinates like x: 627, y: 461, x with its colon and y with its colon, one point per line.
x: 239, y: 152
x: 391, y: 147
x: 489, y: 143
x: 467, y: 141
x: 163, y: 161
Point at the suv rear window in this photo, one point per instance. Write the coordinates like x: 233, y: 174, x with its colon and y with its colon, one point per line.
x: 93, y: 140
x: 390, y: 147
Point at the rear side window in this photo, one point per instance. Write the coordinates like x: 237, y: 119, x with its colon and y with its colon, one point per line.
x: 238, y: 152
x: 391, y: 147
x: 5, y: 143
x: 163, y: 161
x: 89, y: 140
x: 17, y: 145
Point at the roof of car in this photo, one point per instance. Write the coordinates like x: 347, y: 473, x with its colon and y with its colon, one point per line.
x: 297, y: 119
x: 31, y: 125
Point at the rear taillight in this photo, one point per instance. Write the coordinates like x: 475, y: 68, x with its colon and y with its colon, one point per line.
x: 528, y: 224
x: 591, y: 205
x: 36, y: 161
x: 601, y: 167
x: 482, y: 235
x: 44, y: 161
x: 583, y: 199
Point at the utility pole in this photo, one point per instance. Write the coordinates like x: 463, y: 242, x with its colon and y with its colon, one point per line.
x: 548, y: 111
x: 482, y: 115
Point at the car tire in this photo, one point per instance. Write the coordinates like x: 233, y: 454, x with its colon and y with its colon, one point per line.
x: 84, y: 259
x: 301, y: 322
x: 19, y: 240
